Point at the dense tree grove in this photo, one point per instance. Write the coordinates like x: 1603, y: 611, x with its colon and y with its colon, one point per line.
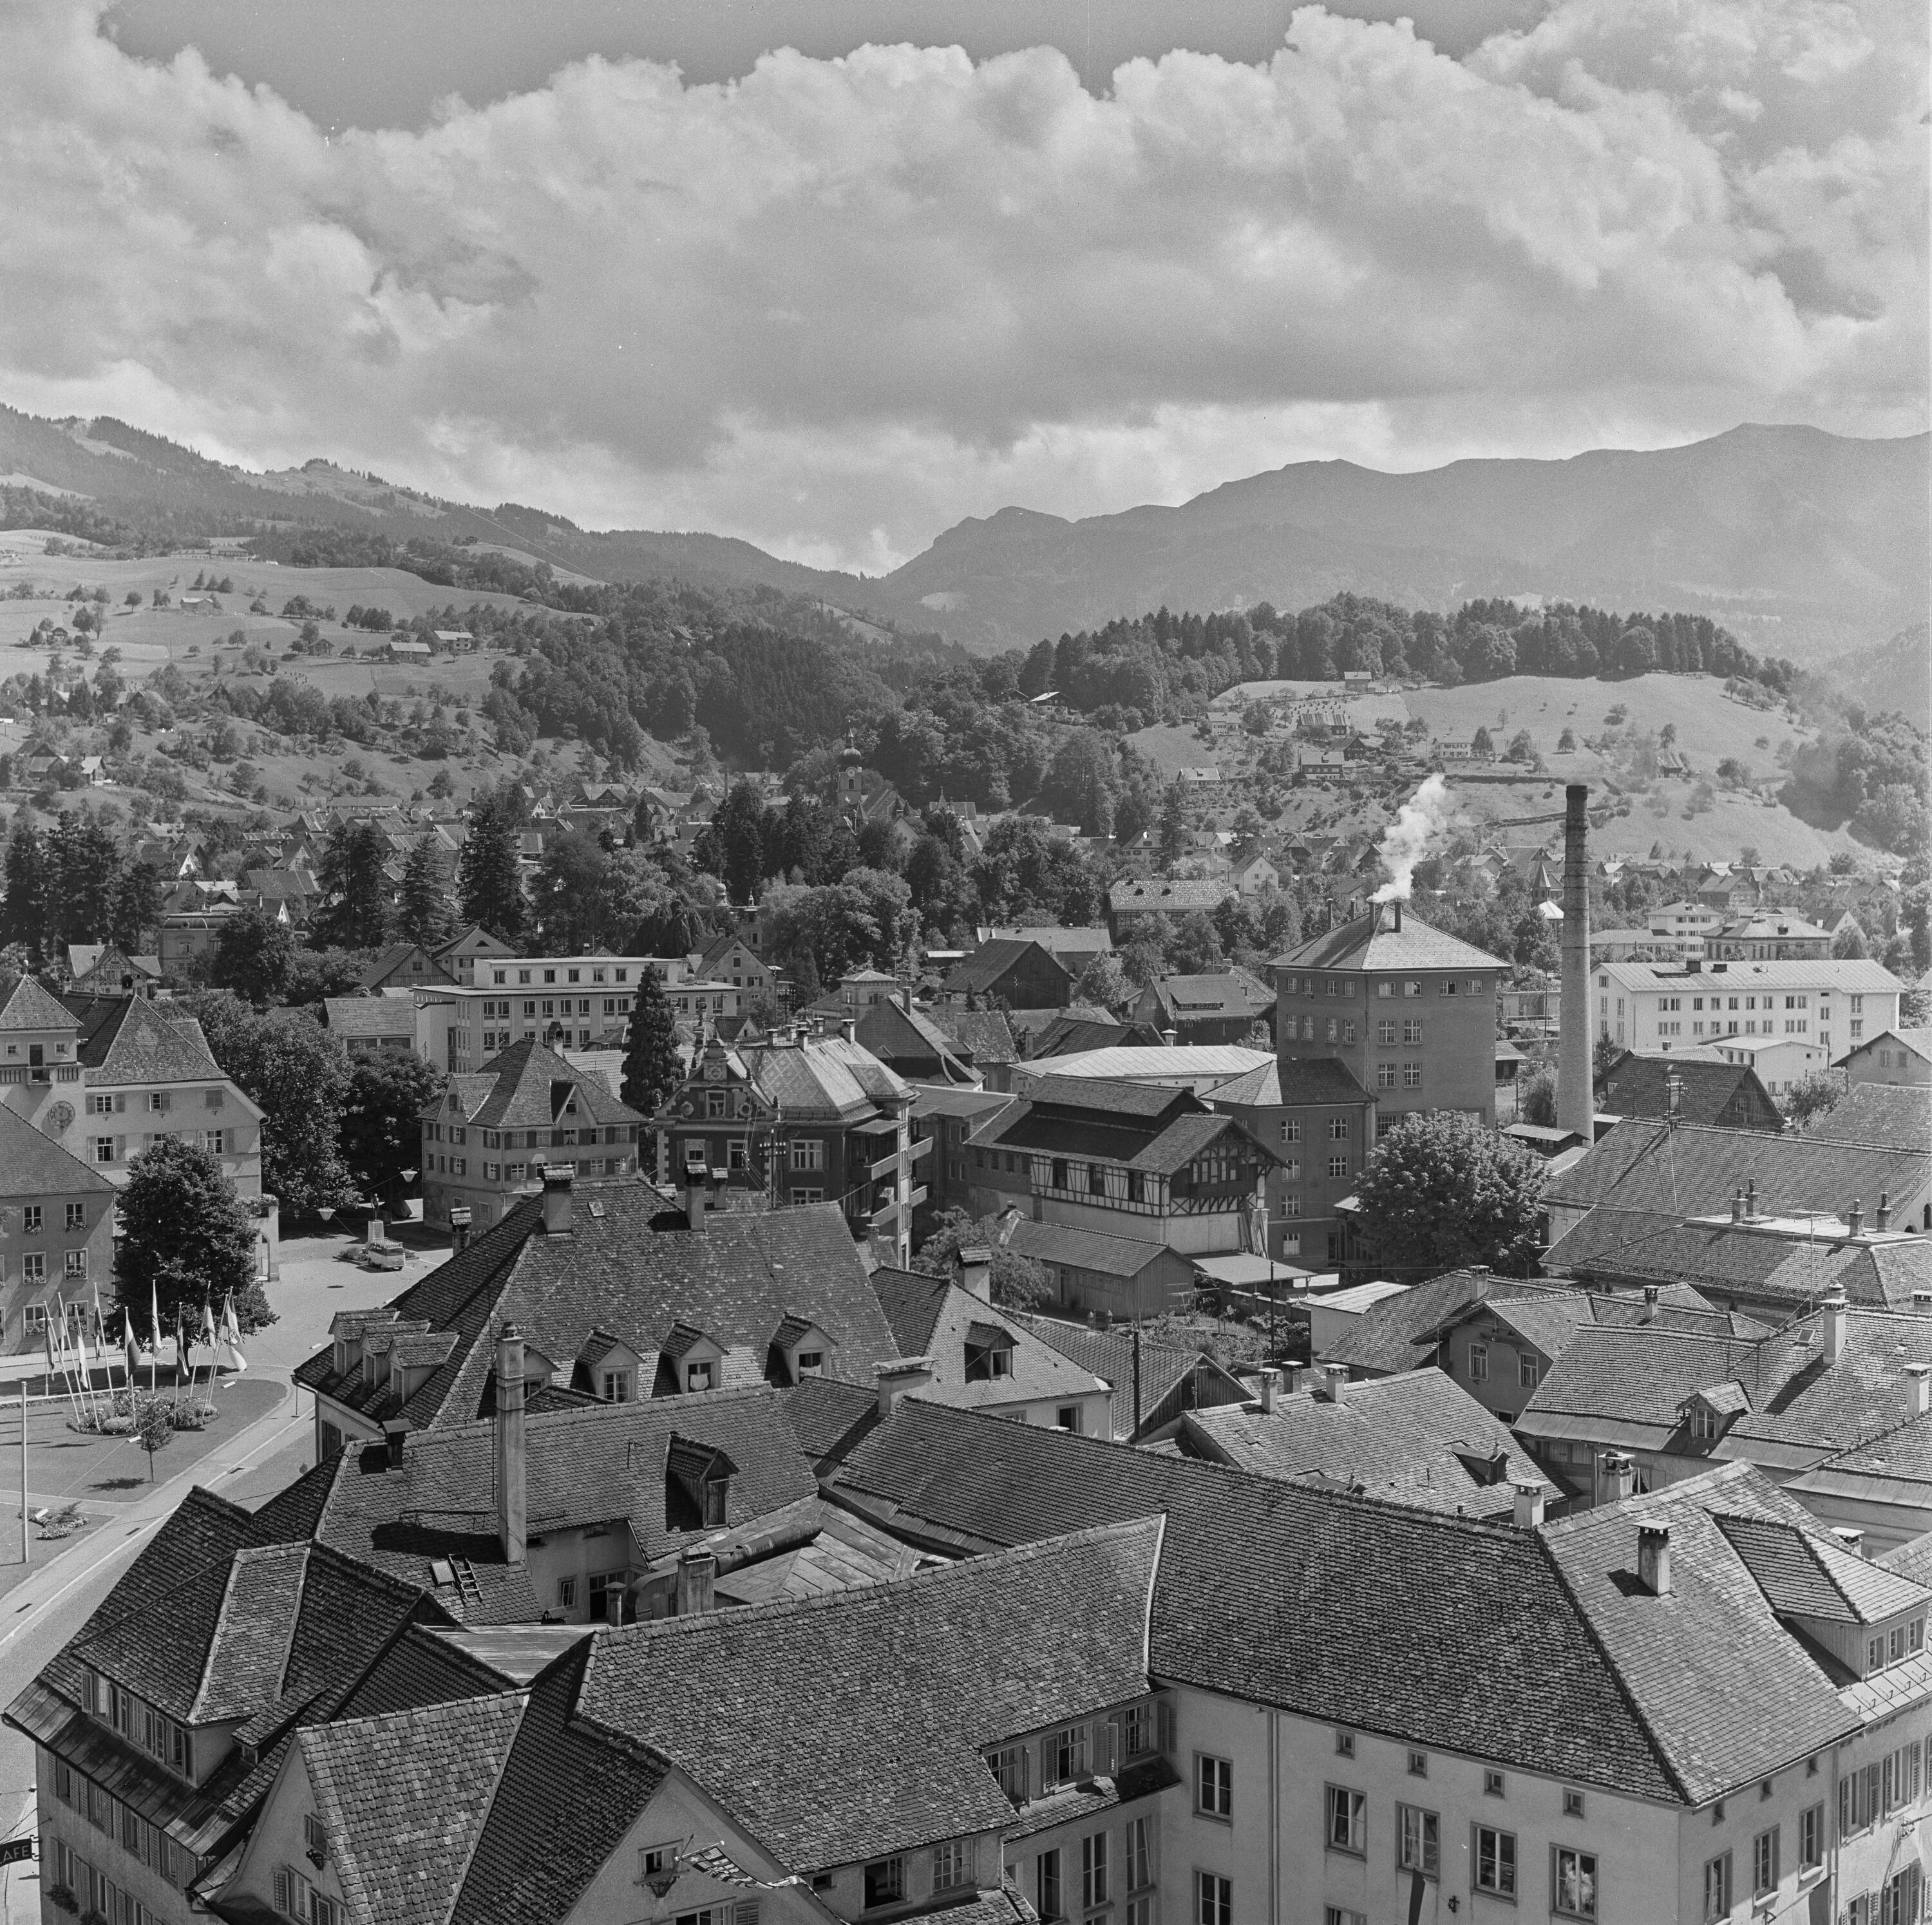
x: 1872, y: 771
x: 72, y: 884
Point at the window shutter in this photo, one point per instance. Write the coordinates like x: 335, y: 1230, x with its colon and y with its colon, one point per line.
x: 1046, y: 1771
x: 282, y: 1890
x: 1164, y: 1724
x: 748, y: 1911
x: 120, y: 1149
x: 1106, y: 1747
x: 120, y: 1104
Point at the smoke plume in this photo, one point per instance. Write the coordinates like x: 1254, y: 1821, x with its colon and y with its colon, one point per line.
x: 1423, y: 819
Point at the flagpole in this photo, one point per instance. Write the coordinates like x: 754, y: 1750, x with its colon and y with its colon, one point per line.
x: 26, y: 1538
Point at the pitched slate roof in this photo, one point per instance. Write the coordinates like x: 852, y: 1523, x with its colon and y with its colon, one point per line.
x: 931, y: 1316
x: 1629, y: 1385
x: 1626, y: 1246
x: 1232, y: 993
x: 1692, y: 1170
x: 896, y: 1036
x: 1728, y: 1692
x: 1144, y: 1126
x: 1894, y: 1114
x: 130, y: 1040
x: 1400, y: 1333
x: 404, y: 1798
x: 1418, y: 1438
x: 1638, y: 1086
x: 1082, y: 1249
x: 985, y: 1036
x: 1158, y: 895
x: 1804, y: 1573
x: 25, y: 1004
x: 1373, y: 942
x: 1291, y: 1594
x: 32, y: 1164
x: 1293, y: 1083
x: 822, y: 1078
x: 635, y: 1272
x: 781, y: 1712
x: 526, y: 1087
x: 1155, y: 1062
x: 1110, y: 1355
x: 984, y: 969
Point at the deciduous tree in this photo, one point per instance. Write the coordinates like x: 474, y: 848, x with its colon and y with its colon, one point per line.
x: 186, y: 1238
x: 1441, y: 1190
x: 1018, y: 1283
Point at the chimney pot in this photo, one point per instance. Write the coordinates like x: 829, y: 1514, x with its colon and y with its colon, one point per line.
x: 900, y: 1375
x: 393, y: 1431
x: 1917, y: 1389
x: 512, y: 1503
x: 1653, y: 1295
x: 1268, y: 1392
x: 848, y: 1028
x: 1738, y: 1204
x: 975, y: 1271
x: 697, y: 1582
x: 1851, y: 1538
x: 1616, y: 1477
x: 1169, y: 1037
x: 1750, y: 1201
x: 1398, y: 915
x: 1653, y: 1558
x: 1332, y: 1386
x: 1529, y: 1501
x: 559, y: 1210
x: 1855, y: 1221
x: 1836, y: 1318
x: 1882, y: 1220
x: 459, y: 1231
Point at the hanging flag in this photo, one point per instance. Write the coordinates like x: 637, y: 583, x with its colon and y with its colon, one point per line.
x: 207, y: 1322
x: 132, y: 1347
x: 155, y: 1316
x: 231, y: 1333
x: 47, y: 1332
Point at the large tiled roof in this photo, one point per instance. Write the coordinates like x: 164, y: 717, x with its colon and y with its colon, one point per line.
x: 1400, y: 1331
x: 1156, y: 1062
x: 404, y: 1798
x: 1293, y: 1595
x: 982, y: 970
x: 933, y: 1317
x: 822, y: 1078
x: 1293, y: 1083
x: 1628, y: 1385
x: 130, y: 1040
x: 25, y: 1005
x: 1144, y: 1126
x: 1231, y: 993
x: 1622, y: 1245
x: 1083, y: 1249
x: 1894, y: 1114
x: 1417, y: 1438
x: 635, y: 1271
x: 1373, y: 942
x: 983, y: 1034
x: 1692, y: 1170
x: 32, y: 1164
x: 1729, y: 1693
x: 1861, y: 977
x: 1113, y: 1356
x: 1639, y: 1085
x: 526, y: 1087
x: 783, y: 1712
x: 898, y: 1035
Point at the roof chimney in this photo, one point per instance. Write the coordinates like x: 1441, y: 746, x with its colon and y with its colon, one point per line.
x: 694, y: 1202
x: 1653, y: 1295
x: 1750, y: 1201
x: 1738, y: 1204
x: 1917, y: 1389
x: 899, y: 1376
x: 848, y: 1028
x: 1331, y: 1383
x: 697, y: 1582
x: 395, y: 1429
x: 1616, y: 1477
x: 1576, y: 1099
x: 1882, y: 1220
x: 1168, y: 1038
x: 459, y: 1231
x: 512, y: 1511
x: 1855, y: 1221
x: 1398, y: 915
x: 1268, y: 1392
x: 559, y: 1212
x: 1529, y: 1499
x: 1837, y: 1316
x: 975, y: 1271
x: 1653, y: 1558
x: 1850, y: 1539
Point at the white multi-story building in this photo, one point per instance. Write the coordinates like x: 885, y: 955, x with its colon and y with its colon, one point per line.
x: 1656, y: 1006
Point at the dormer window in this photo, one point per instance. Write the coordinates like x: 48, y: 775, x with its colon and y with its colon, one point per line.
x: 986, y: 1362
x: 617, y: 1387
x: 1704, y: 1422
x: 697, y: 1486
x: 698, y: 1376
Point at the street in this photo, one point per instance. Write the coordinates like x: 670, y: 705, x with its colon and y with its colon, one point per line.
x: 45, y: 1608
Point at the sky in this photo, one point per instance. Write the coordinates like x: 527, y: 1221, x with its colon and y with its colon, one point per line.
x: 831, y: 275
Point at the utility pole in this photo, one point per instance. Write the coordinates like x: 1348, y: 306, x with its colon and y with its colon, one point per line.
x: 26, y: 1540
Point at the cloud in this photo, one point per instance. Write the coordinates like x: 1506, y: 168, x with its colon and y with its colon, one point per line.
x: 836, y: 304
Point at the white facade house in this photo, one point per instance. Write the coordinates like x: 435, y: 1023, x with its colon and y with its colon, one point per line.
x: 1657, y: 1007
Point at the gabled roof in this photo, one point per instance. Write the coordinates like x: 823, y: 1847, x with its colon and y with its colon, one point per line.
x: 1158, y: 895
x: 821, y: 1078
x: 370, y: 1016
x: 1729, y: 1693
x: 1230, y: 993
x: 32, y: 1164
x: 1084, y: 1249
x: 1401, y: 1332
x: 899, y: 1036
x: 1373, y: 942
x: 1113, y: 1356
x: 635, y: 1271
x: 1293, y: 1083
x: 931, y: 1316
x: 983, y: 1036
x: 1417, y: 1439
x: 1805, y: 1573
x: 1143, y: 1126
x: 780, y: 1711
x: 982, y: 971
x: 130, y: 1040
x: 1638, y: 1086
x: 527, y: 1086
x: 1692, y: 1170
x: 1896, y: 1114
x: 1289, y: 1594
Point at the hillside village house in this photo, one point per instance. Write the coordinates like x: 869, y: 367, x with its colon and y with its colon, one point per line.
x: 1409, y: 1012
x: 1892, y: 1056
x: 56, y: 1235
x: 1834, y: 1006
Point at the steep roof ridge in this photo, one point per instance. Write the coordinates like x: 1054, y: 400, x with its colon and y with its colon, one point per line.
x: 1008, y: 1558
x: 237, y: 1563
x: 596, y: 1413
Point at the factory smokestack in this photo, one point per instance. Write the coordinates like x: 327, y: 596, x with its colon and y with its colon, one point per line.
x: 1575, y: 1102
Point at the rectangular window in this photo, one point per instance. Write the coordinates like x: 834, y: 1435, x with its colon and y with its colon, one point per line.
x: 1338, y: 1167
x: 1338, y: 1129
x: 1214, y: 1899
x: 104, y: 1149
x: 1573, y: 1886
x: 1010, y: 1769
x: 77, y: 1265
x: 1496, y: 1861
x: 1064, y: 1756
x: 566, y: 1594
x: 1418, y: 1841
x: 1810, y: 1837
x: 1140, y: 1854
x: 1385, y: 1076
x: 1901, y: 1898
x: 1764, y: 1862
x: 1347, y: 1826
x: 1385, y: 1030
x: 1717, y: 1886
x: 885, y: 1883
x: 1047, y: 1888
x: 33, y: 1268
x: 1525, y: 1372
x: 1411, y: 1030
x: 808, y: 1154
x: 1340, y: 1914
x: 1213, y: 1786
x: 1479, y: 1363
x: 952, y: 1865
x: 1411, y: 1075
x: 1094, y: 1890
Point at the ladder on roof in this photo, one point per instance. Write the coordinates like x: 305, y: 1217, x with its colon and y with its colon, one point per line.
x: 467, y: 1589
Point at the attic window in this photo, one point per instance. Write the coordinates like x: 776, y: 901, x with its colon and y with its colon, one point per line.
x: 811, y: 1364
x: 986, y: 1361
